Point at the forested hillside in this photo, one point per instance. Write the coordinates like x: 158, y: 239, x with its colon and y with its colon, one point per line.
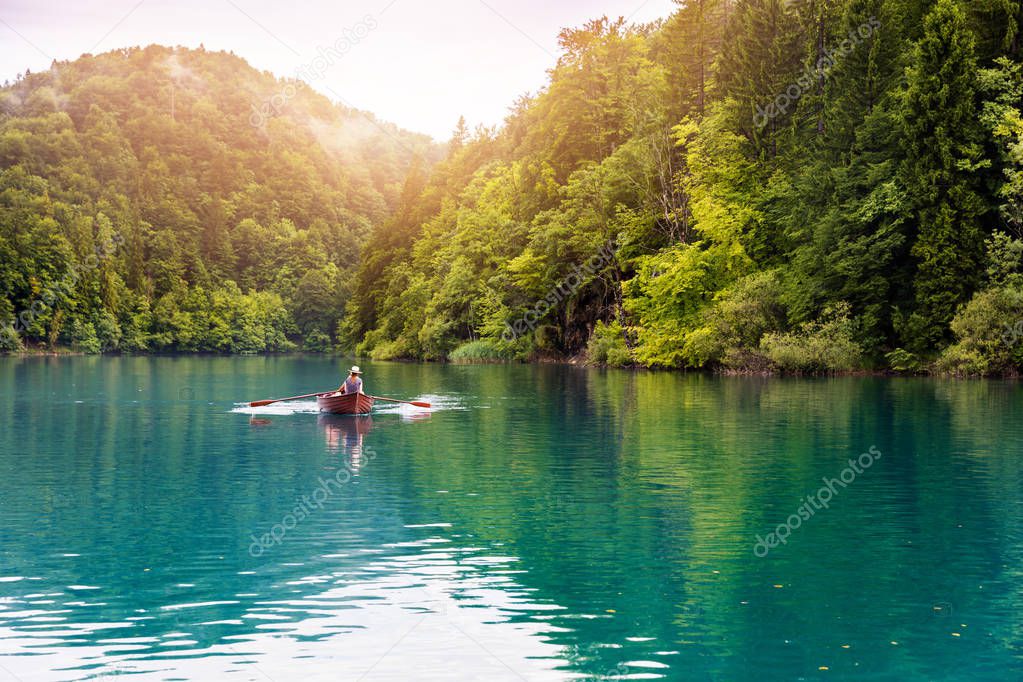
x: 751, y: 185
x: 748, y: 185
x: 166, y: 199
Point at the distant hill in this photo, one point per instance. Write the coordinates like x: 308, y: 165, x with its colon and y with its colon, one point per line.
x: 172, y: 199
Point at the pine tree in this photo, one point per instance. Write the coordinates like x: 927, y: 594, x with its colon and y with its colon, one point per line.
x: 863, y: 78
x: 759, y: 69
x: 998, y: 24
x: 821, y: 46
x: 942, y: 136
x: 459, y: 137
x: 688, y: 44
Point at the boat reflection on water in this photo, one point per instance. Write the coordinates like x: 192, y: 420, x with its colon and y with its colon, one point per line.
x: 344, y: 434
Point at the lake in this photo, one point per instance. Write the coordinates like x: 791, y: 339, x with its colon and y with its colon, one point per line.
x: 540, y: 523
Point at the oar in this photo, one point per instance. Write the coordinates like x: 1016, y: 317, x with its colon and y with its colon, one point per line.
x: 406, y: 402
x: 264, y: 403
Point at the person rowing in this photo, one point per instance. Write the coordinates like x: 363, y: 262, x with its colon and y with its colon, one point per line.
x: 353, y: 384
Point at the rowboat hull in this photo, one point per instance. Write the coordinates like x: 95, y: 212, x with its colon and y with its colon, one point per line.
x: 340, y: 403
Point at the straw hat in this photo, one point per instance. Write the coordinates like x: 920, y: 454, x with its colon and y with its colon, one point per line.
x: 355, y: 369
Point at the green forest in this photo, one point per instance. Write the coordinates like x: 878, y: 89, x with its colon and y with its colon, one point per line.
x: 174, y: 200
x: 805, y: 186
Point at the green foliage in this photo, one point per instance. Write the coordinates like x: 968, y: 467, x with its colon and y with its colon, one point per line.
x: 734, y: 326
x: 223, y: 321
x: 108, y: 331
x: 84, y: 338
x: 943, y: 156
x: 138, y: 186
x: 607, y: 345
x: 819, y: 347
x: 1005, y: 258
x: 10, y: 342
x: 901, y: 360
x: 780, y: 161
x: 317, y: 341
x: 317, y: 301
x: 667, y: 297
x: 865, y: 80
x: 989, y: 334
x: 963, y: 360
x: 749, y: 185
x: 479, y: 352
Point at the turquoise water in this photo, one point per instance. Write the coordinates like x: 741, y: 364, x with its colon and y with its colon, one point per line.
x: 541, y: 523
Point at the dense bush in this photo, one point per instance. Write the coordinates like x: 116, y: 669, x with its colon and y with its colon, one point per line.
x: 480, y: 351
x: 739, y: 318
x: 989, y: 334
x: 1004, y: 258
x: 607, y: 346
x: 901, y: 360
x: 316, y: 341
x: 822, y: 346
x: 108, y: 331
x: 84, y: 338
x: 10, y: 342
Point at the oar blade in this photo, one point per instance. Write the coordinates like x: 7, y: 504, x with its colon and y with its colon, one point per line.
x: 262, y: 403
x: 419, y: 404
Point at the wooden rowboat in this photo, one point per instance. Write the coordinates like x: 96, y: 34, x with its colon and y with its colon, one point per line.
x: 342, y: 403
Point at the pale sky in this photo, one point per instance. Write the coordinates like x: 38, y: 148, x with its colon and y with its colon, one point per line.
x: 418, y: 64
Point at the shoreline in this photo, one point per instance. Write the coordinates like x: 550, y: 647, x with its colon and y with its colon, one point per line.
x: 573, y: 361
